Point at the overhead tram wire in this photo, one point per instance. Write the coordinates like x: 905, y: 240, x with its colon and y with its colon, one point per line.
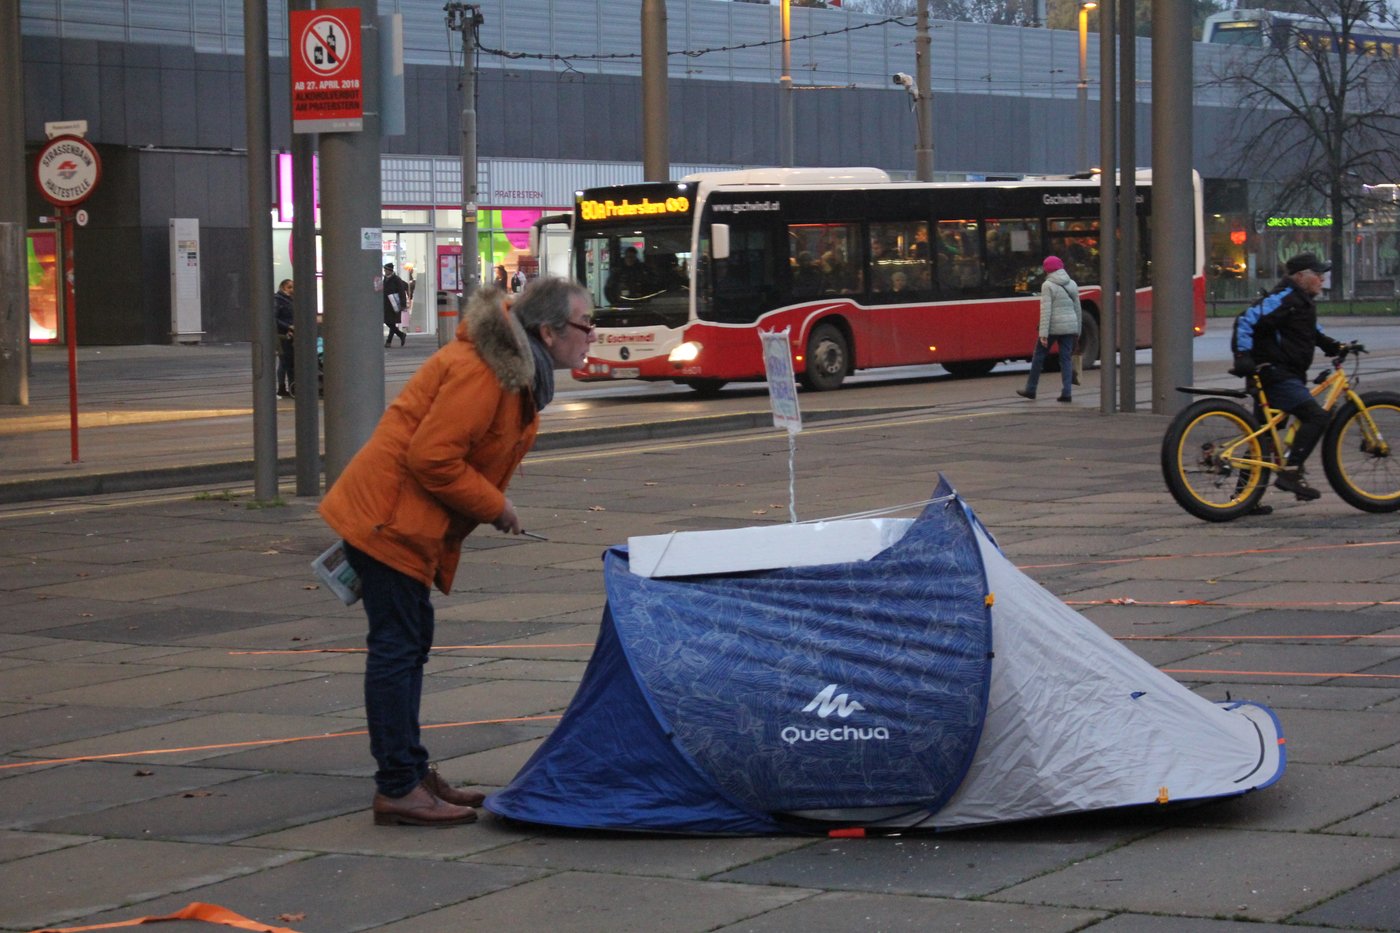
x: 568, y: 60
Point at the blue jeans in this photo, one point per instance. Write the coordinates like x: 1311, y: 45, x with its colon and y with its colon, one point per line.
x: 1291, y: 395
x: 400, y: 635
x: 1066, y: 362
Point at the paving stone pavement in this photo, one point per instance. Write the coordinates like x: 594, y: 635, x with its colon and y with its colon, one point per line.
x: 180, y: 713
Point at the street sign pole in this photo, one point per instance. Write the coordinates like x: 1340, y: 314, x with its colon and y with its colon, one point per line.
x: 70, y: 326
x: 67, y: 171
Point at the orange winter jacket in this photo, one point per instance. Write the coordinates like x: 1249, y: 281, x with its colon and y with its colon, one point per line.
x: 440, y: 459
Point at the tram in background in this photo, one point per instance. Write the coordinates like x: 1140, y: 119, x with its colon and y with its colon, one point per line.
x: 1270, y: 29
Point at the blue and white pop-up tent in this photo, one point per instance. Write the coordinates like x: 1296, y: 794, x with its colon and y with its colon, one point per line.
x: 924, y: 682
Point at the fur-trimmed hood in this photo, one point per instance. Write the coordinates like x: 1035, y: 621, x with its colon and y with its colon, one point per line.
x: 499, y: 338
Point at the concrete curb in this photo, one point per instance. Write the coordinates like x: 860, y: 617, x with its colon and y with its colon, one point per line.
x: 240, y: 472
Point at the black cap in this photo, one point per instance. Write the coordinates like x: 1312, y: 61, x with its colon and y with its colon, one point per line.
x: 388, y: 265
x: 1307, y: 261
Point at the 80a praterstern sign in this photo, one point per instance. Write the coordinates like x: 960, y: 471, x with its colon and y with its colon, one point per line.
x: 67, y: 170
x: 327, y: 92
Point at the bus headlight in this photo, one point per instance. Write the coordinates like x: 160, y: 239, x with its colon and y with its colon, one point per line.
x: 687, y: 352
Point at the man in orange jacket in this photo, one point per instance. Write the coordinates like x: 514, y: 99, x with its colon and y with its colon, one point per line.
x: 436, y: 466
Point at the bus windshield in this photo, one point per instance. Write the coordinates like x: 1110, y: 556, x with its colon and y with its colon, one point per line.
x: 637, y: 276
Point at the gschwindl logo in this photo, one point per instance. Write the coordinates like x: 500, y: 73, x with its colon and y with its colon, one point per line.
x: 825, y: 703
x: 828, y: 702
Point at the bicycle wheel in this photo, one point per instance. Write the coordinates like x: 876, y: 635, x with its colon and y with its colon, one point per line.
x: 1365, y: 470
x: 1200, y: 455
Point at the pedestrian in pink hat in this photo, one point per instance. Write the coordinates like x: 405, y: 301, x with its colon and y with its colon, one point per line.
x: 1061, y: 317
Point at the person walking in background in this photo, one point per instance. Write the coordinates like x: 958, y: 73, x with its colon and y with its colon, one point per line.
x: 517, y: 281
x: 1061, y: 316
x: 395, y: 303
x: 502, y: 279
x: 436, y: 466
x: 286, y: 358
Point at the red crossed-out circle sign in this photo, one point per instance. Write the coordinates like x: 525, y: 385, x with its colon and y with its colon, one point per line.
x: 326, y: 45
x: 67, y: 170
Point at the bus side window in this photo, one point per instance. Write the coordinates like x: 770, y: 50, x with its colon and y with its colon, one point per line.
x: 959, y: 258
x: 741, y: 287
x: 900, y: 266
x: 1014, y: 255
x: 1076, y: 241
x: 825, y: 259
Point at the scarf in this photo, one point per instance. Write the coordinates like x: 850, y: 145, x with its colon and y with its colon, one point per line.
x: 543, y: 386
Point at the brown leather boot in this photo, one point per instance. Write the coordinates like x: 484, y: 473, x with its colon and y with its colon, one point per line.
x: 444, y: 791
x: 419, y: 807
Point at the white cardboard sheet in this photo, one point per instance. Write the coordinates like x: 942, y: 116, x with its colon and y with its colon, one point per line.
x: 762, y: 547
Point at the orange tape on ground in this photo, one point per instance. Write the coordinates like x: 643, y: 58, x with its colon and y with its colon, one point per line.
x: 255, y: 742
x: 434, y: 648
x: 1230, y: 604
x: 1185, y: 670
x: 1272, y: 550
x: 1247, y: 637
x: 208, y: 913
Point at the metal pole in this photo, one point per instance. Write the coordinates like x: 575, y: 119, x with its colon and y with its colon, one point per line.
x: 70, y: 318
x: 785, y: 118
x: 14, y: 293
x: 465, y: 17
x: 656, y: 160
x: 351, y: 241
x: 923, y: 155
x: 306, y: 312
x: 1083, y: 128
x: 1108, y: 213
x: 1127, y: 205
x: 259, y: 285
x: 305, y: 307
x: 1173, y: 207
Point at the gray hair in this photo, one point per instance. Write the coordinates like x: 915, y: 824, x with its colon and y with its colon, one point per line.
x: 545, y: 302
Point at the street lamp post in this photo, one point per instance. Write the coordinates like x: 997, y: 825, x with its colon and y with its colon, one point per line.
x: 785, y: 118
x: 1084, y: 8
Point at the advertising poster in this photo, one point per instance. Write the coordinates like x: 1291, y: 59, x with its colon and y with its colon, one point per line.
x: 42, y: 248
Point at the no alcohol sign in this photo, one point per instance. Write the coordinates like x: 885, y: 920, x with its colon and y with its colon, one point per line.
x: 326, y: 71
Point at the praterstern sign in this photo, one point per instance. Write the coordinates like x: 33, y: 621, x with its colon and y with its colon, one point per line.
x: 67, y: 170
x: 327, y: 96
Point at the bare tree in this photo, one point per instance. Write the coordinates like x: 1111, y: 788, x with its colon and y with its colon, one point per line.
x: 1320, y: 112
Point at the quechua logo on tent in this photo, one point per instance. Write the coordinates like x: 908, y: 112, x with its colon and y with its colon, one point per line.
x: 825, y: 703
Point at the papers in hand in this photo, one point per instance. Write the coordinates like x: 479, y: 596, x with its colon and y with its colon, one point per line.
x: 335, y: 572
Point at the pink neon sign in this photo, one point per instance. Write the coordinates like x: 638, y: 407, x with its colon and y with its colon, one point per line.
x: 285, y: 203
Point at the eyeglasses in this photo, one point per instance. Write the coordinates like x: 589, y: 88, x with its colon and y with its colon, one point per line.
x: 586, y: 325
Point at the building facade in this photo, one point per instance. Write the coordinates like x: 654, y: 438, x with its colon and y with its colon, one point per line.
x: 559, y: 108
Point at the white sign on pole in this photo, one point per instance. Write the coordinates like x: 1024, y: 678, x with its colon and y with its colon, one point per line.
x: 371, y: 238
x: 782, y: 385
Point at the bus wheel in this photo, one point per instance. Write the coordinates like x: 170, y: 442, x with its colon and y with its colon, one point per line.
x: 827, y: 359
x: 705, y: 388
x: 970, y: 369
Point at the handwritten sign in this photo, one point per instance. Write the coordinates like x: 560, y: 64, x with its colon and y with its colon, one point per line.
x: 782, y: 384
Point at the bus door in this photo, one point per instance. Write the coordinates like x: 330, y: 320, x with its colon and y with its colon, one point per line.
x: 550, y: 239
x: 902, y: 291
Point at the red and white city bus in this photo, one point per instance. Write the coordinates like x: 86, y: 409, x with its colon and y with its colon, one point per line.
x: 864, y: 272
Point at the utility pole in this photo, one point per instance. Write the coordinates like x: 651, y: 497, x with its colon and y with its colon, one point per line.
x: 786, y: 144
x: 305, y: 305
x: 259, y: 284
x: 923, y: 155
x: 351, y: 237
x: 1173, y: 207
x: 1127, y: 204
x: 656, y: 159
x: 14, y: 296
x: 465, y: 18
x: 1108, y: 212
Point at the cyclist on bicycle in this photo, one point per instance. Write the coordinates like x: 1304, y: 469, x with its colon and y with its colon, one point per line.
x: 1274, y: 338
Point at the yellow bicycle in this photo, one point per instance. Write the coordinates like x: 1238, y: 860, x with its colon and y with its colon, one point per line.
x: 1217, y: 458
